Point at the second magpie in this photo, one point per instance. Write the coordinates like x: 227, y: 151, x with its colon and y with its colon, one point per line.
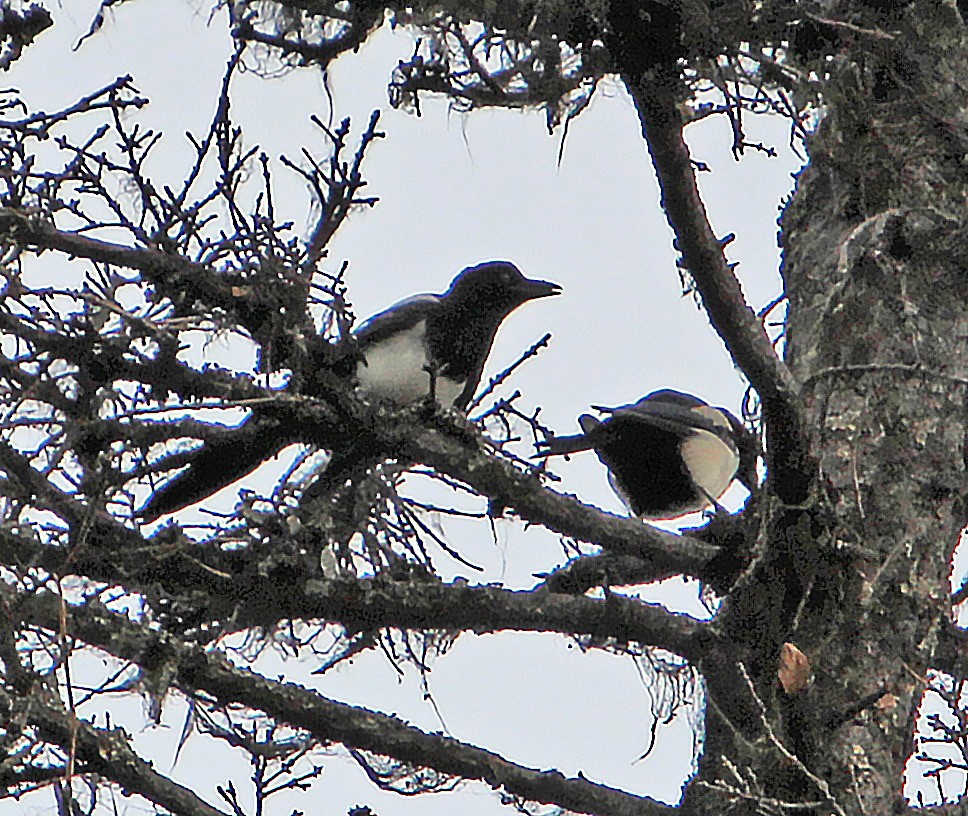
x: 667, y: 454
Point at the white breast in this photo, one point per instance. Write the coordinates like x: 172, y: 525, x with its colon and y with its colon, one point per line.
x: 396, y: 369
x: 711, y: 462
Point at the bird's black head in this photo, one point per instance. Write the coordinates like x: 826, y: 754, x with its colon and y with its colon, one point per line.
x: 497, y: 287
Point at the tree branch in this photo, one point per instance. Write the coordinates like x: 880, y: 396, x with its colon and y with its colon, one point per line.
x: 322, y: 53
x: 174, y: 271
x: 107, y: 752
x: 329, y: 721
x: 669, y: 554
x: 458, y: 449
x: 21, y: 29
x: 655, y: 98
x: 604, y: 570
x: 430, y: 604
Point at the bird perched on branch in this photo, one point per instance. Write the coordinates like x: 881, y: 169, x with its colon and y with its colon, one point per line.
x: 435, y: 346
x: 425, y: 347
x: 431, y: 347
x: 668, y: 454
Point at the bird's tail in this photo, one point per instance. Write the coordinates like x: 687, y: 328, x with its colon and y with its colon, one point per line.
x: 222, y: 460
x: 561, y: 445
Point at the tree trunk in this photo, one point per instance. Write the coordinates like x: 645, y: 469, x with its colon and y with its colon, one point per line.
x: 877, y: 334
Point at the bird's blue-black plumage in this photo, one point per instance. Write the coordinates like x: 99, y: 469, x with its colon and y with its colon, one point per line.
x: 668, y: 454
x: 440, y: 343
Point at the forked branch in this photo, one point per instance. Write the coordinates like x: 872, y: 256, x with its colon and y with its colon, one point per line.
x: 329, y: 721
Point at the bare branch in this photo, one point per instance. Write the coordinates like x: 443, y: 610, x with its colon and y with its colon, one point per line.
x: 429, y: 604
x: 329, y: 721
x: 108, y: 753
x: 507, y: 487
x: 37, y: 233
x: 605, y: 570
x: 336, y: 188
x: 40, y: 124
x: 355, y: 25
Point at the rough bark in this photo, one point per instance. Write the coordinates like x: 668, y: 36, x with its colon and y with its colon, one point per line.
x: 875, y: 269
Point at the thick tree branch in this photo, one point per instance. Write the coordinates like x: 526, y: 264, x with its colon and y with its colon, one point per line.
x: 330, y: 721
x: 255, y: 595
x: 108, y: 753
x: 603, y: 570
x: 702, y: 251
x: 667, y: 553
x: 729, y: 534
x: 653, y: 91
x: 429, y: 604
x: 458, y: 449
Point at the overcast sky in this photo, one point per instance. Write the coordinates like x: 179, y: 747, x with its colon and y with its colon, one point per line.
x: 456, y: 190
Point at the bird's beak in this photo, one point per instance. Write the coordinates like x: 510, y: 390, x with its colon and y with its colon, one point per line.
x: 531, y: 289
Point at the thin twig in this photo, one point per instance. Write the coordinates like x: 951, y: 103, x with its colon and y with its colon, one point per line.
x: 792, y: 758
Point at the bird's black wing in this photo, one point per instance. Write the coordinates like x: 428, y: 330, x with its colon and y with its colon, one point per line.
x: 401, y: 316
x: 676, y: 412
x: 680, y: 418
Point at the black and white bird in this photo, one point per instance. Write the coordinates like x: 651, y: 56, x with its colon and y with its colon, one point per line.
x: 435, y: 346
x: 430, y: 347
x: 425, y: 346
x: 667, y: 454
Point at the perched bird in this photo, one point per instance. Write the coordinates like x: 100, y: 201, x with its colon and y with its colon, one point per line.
x: 428, y: 346
x: 668, y: 454
x: 435, y: 345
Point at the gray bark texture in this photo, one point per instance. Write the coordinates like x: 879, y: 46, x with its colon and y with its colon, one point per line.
x: 876, y: 272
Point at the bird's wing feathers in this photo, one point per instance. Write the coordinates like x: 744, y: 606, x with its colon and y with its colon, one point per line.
x: 399, y: 317
x: 664, y: 396
x: 676, y: 418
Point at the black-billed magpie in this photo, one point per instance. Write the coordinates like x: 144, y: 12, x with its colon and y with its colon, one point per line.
x: 430, y: 346
x: 436, y: 345
x: 667, y: 454
x: 427, y: 345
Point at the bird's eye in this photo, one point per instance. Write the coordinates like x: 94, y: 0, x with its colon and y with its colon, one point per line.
x: 505, y: 276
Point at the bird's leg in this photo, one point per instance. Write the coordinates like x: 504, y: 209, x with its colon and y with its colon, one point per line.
x: 431, y: 370
x: 430, y: 402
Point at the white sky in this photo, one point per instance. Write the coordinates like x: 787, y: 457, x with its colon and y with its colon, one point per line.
x: 456, y: 190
